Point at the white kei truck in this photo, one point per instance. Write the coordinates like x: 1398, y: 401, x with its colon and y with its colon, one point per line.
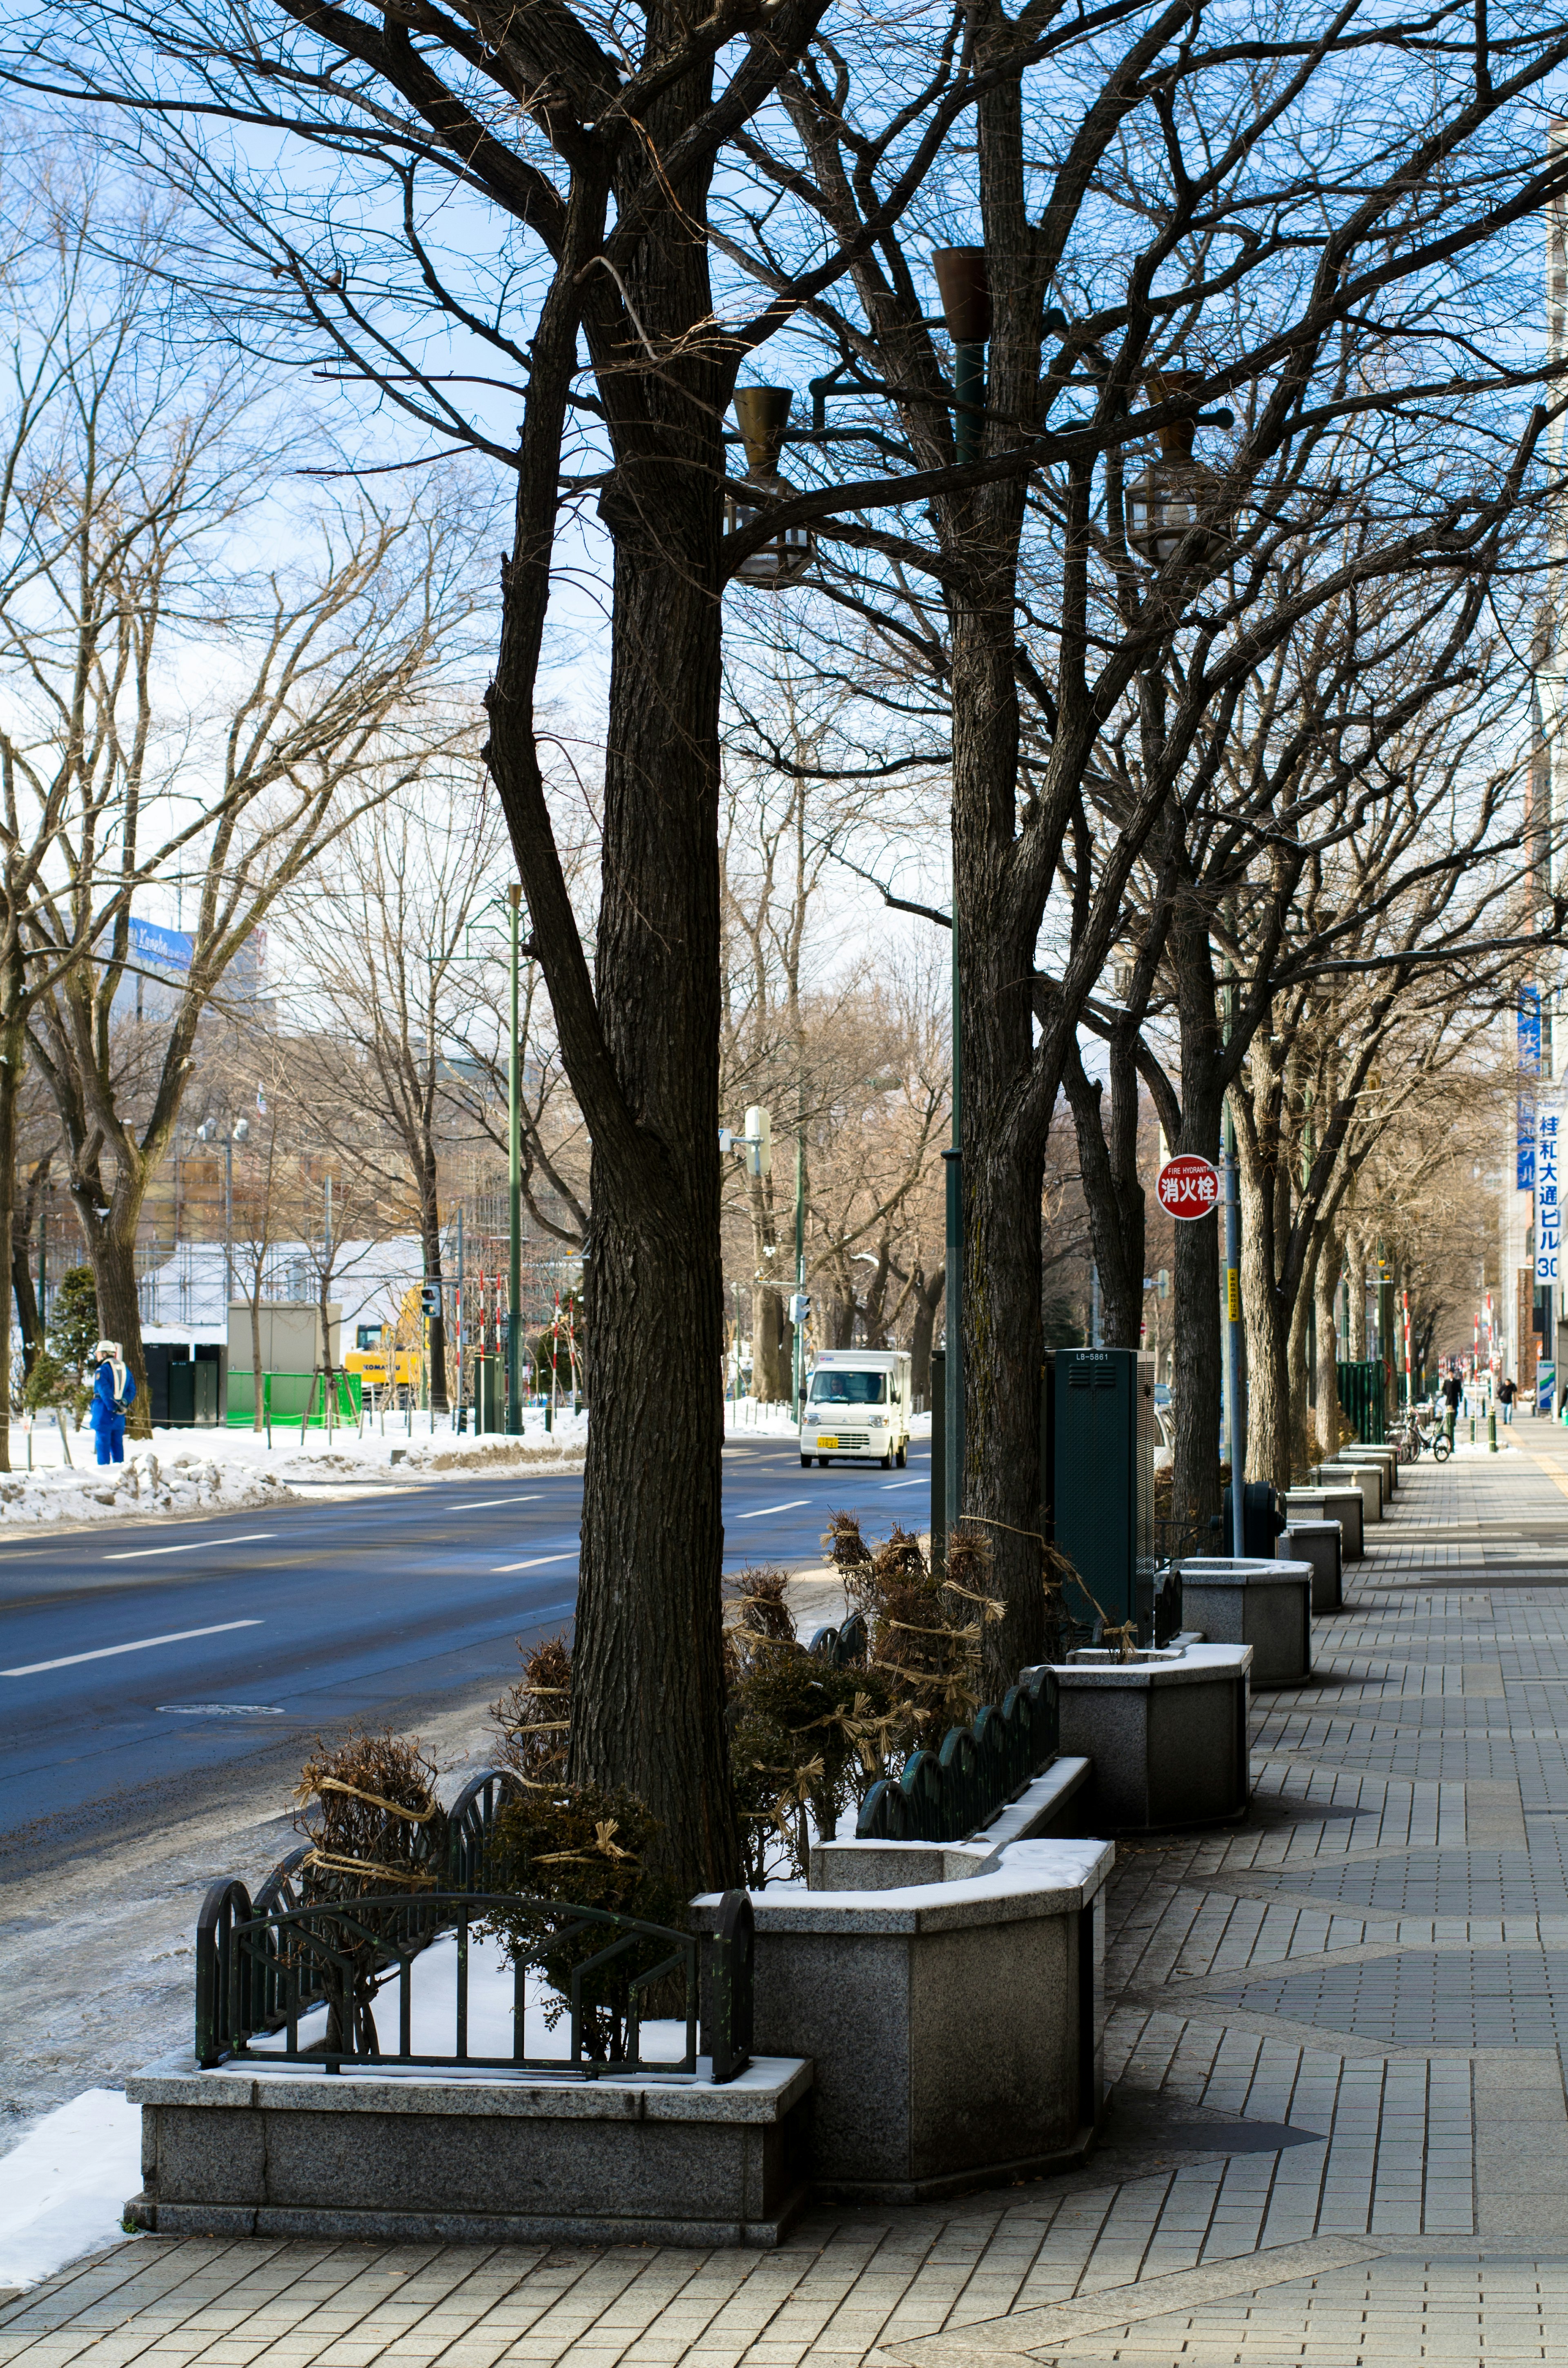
x: 857, y: 1407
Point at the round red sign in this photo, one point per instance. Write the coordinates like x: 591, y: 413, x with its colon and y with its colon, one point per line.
x: 1189, y: 1185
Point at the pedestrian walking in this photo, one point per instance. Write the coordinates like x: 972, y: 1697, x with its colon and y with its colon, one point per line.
x: 1453, y: 1391
x: 114, y: 1388
x: 1507, y: 1393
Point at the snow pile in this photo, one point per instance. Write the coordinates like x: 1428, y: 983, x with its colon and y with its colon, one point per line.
x: 63, y: 2189
x: 152, y: 1480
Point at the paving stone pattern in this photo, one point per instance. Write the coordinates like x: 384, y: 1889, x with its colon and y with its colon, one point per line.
x: 1338, y: 2131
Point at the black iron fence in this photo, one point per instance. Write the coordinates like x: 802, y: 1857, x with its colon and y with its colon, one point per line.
x: 947, y: 1794
x: 845, y: 1646
x: 261, y: 1977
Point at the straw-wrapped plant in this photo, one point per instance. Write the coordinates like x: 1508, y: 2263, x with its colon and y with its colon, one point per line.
x: 582, y: 1846
x: 376, y: 1831
x: 805, y: 1740
x: 925, y: 1623
x: 533, y: 1718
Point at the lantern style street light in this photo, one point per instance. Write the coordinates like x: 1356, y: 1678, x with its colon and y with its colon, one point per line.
x: 1173, y: 494
x: 762, y: 414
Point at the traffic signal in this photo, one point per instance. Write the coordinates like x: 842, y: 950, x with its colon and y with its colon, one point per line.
x: 430, y: 1299
x: 799, y: 1307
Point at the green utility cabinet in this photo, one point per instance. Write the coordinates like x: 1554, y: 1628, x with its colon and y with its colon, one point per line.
x: 1362, y: 1398
x: 1098, y: 1485
x: 489, y: 1394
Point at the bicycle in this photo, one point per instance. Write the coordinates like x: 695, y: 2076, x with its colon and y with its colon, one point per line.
x: 1414, y: 1433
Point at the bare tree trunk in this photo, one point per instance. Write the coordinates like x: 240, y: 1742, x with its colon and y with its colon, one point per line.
x: 1108, y: 1163
x: 1196, y: 1385
x: 1326, y: 1289
x: 1268, y: 1330
x: 926, y: 1292
x: 647, y: 1670
x: 112, y: 1250
x: 767, y: 1343
x: 13, y: 1053
x: 1356, y: 1273
x: 1296, y: 1354
x: 1004, y: 1150
x: 29, y: 1320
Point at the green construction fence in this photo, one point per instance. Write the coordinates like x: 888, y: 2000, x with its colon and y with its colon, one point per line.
x: 292, y: 1398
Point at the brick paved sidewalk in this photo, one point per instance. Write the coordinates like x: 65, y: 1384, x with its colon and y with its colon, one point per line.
x: 1338, y: 2132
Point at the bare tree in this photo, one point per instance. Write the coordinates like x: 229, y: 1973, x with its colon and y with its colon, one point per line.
x: 125, y: 491
x: 383, y: 928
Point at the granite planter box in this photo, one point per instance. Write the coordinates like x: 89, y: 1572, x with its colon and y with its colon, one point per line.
x: 1048, y: 1807
x: 955, y: 2027
x: 1387, y: 1463
x: 1167, y: 1734
x: 1346, y: 1506
x: 423, y: 2158
x: 1368, y: 1477
x: 1317, y: 1542
x: 1267, y: 1605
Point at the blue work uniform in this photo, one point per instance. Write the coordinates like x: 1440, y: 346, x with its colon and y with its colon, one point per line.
x: 113, y: 1391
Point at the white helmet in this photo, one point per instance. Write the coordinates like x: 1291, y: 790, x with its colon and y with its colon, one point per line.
x: 108, y: 1349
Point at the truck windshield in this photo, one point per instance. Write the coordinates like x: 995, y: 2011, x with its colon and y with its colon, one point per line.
x: 849, y: 1389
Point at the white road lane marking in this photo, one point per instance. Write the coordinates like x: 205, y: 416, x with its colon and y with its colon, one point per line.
x: 486, y: 1503
x: 764, y: 1509
x: 889, y: 1486
x: 536, y: 1562
x: 142, y: 1644
x: 139, y: 1553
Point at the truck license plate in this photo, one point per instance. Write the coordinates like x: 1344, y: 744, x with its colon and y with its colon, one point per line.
x: 827, y: 1443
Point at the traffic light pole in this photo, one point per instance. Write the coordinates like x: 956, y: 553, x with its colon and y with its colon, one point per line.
x: 515, y: 1196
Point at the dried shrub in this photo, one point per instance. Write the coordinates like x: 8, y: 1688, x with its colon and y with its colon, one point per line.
x: 369, y: 1811
x: 585, y: 1847
x: 805, y: 1740
x: 533, y: 1719
x: 758, y: 1616
x: 926, y: 1625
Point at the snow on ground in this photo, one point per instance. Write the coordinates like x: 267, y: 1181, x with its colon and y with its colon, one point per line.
x: 63, y: 2189
x: 202, y: 1470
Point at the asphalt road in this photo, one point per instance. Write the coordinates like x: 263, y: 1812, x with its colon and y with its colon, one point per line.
x: 146, y: 1662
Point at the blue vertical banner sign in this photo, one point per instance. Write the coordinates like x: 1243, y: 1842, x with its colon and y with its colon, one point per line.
x: 1529, y: 1066
x: 1547, y: 1205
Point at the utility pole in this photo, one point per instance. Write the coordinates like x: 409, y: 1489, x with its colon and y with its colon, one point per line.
x: 515, y: 1193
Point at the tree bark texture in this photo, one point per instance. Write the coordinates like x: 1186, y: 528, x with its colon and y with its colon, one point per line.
x: 28, y: 1315
x: 925, y: 1291
x: 13, y: 1053
x: 1108, y: 1163
x: 640, y: 1037
x: 1003, y: 1142
x: 1197, y: 1385
x: 1266, y: 1315
x: 1326, y: 1293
